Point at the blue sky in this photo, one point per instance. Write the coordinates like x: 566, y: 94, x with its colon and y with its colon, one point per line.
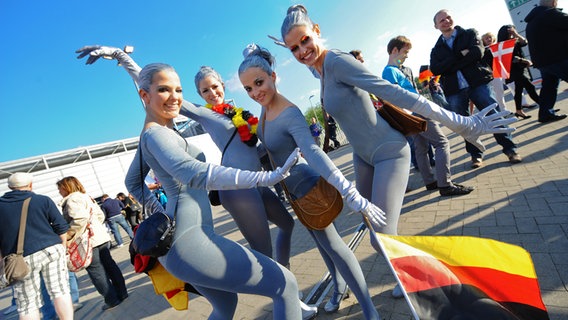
x: 51, y: 101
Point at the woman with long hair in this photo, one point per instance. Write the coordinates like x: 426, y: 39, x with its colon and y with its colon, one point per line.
x: 78, y: 209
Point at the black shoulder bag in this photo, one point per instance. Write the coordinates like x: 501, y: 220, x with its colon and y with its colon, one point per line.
x: 155, y: 234
x: 214, y: 194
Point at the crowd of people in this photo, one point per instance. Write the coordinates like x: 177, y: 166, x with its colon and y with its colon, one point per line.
x: 219, y: 268
x: 58, y: 294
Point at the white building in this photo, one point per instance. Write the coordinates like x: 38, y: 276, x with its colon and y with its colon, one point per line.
x: 101, y: 168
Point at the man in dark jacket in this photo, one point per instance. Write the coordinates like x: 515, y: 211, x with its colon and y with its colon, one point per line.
x: 113, y: 211
x: 44, y: 249
x: 547, y: 34
x: 457, y: 57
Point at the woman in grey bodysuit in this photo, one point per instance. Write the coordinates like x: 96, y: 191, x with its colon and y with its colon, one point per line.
x: 282, y: 128
x: 381, y: 156
x: 217, y: 267
x: 253, y: 208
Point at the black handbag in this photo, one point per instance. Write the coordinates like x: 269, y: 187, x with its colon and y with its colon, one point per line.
x: 214, y: 198
x: 214, y: 194
x: 154, y: 235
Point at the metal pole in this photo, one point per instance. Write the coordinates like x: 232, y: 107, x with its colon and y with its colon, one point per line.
x: 320, y: 290
x: 313, y: 110
x: 384, y: 252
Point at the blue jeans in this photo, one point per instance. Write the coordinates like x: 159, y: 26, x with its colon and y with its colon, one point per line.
x: 14, y: 303
x: 48, y: 310
x: 102, y: 271
x: 551, y: 76
x: 113, y: 223
x: 440, y: 99
x: 482, y: 96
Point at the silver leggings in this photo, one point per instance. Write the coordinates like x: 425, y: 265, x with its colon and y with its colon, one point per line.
x: 252, y: 209
x: 220, y: 268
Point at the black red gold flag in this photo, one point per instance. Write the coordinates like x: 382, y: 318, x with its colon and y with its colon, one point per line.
x: 460, y: 277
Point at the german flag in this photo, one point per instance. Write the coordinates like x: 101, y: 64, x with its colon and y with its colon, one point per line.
x: 459, y: 277
x: 425, y: 75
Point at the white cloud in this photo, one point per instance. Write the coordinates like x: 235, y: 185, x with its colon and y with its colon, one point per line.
x: 234, y: 83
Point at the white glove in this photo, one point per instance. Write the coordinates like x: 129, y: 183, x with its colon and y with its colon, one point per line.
x: 95, y: 52
x: 354, y: 200
x: 468, y: 127
x: 225, y: 178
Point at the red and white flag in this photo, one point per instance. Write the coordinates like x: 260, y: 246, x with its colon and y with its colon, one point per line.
x: 502, y: 58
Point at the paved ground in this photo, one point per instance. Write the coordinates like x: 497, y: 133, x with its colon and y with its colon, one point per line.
x: 524, y: 204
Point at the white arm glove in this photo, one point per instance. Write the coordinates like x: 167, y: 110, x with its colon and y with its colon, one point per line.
x: 225, y: 178
x: 356, y: 202
x: 468, y: 127
x: 95, y: 52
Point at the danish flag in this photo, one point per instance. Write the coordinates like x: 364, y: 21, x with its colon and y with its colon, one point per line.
x: 502, y: 57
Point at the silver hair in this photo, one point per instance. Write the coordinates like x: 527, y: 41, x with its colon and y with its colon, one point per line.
x: 256, y: 56
x: 204, y: 72
x: 297, y: 15
x: 147, y: 74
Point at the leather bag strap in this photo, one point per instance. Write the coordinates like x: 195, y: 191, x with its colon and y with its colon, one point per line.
x: 142, y: 176
x: 227, y: 145
x: 22, y: 232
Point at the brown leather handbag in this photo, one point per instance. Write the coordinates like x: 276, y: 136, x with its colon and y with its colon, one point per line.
x: 402, y: 121
x: 319, y: 207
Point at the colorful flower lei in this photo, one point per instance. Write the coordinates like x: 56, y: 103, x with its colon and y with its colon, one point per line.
x: 245, y: 122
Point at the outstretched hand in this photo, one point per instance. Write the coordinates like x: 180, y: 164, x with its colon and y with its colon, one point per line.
x: 495, y: 122
x: 95, y: 52
x: 482, y: 123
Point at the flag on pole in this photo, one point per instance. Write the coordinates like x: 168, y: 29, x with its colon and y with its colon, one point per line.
x: 425, y: 75
x: 451, y: 277
x: 502, y: 58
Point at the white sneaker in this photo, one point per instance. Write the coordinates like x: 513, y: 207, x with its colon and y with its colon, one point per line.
x: 120, y: 246
x: 308, y: 312
x: 397, y: 292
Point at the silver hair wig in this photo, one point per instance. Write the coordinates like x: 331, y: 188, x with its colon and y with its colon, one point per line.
x: 297, y: 15
x: 204, y: 72
x: 259, y: 57
x: 147, y: 74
